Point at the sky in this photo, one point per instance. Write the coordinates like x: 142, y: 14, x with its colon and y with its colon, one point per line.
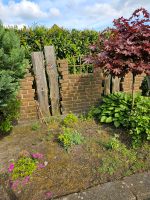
x: 79, y: 14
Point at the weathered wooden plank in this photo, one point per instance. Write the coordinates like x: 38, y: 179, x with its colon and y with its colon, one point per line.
x: 52, y: 73
x: 40, y: 77
x: 115, y: 84
x: 107, y: 85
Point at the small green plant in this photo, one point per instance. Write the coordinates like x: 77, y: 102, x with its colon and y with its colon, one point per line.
x: 118, y: 158
x: 23, y: 167
x: 70, y: 137
x: 113, y: 143
x: 35, y: 126
x: 70, y: 119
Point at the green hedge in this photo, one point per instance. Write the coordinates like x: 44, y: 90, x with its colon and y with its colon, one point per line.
x: 67, y: 43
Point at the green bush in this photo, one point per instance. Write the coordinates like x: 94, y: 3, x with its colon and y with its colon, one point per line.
x: 116, y: 109
x: 70, y: 119
x: 67, y: 43
x: 8, y: 113
x: 140, y: 121
x: 144, y: 86
x: 23, y: 167
x: 12, y: 69
x: 70, y: 137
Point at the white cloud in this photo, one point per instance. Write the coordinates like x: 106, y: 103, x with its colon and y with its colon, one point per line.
x: 68, y: 13
x: 24, y: 12
x: 54, y: 12
x: 26, y: 9
x: 101, y: 9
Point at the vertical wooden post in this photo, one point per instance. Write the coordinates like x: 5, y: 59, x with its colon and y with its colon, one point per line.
x: 115, y: 84
x: 52, y: 73
x: 40, y: 77
x: 107, y: 85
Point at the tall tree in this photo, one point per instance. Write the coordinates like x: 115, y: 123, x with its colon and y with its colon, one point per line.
x: 12, y: 69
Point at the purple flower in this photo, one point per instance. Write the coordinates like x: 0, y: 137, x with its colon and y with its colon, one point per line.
x: 11, y: 167
x: 15, y: 184
x: 41, y: 165
x: 48, y: 195
x: 25, y: 180
x: 37, y: 155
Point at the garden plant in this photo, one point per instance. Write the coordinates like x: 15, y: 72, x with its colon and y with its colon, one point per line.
x: 12, y: 69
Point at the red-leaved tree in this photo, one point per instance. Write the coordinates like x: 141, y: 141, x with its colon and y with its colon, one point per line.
x: 125, y: 48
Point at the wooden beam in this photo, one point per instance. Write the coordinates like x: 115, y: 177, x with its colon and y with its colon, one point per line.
x: 40, y: 77
x: 52, y: 73
x: 107, y: 85
x: 115, y: 84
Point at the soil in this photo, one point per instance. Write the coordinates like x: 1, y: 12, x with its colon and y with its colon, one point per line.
x: 66, y: 172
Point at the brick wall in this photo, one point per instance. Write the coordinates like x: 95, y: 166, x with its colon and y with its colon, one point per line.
x: 127, y: 85
x: 28, y: 110
x: 78, y: 91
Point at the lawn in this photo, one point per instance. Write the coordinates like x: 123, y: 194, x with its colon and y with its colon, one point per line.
x: 100, y: 154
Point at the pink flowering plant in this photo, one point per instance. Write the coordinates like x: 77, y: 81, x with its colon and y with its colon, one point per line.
x: 21, y: 170
x: 37, y: 156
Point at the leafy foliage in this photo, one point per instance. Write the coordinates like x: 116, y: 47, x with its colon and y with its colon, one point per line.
x: 12, y: 69
x: 120, y: 157
x: 8, y: 113
x: 23, y: 167
x: 35, y: 126
x: 70, y: 119
x: 140, y: 121
x: 116, y: 109
x: 145, y: 86
x: 70, y: 137
x: 127, y: 49
x: 67, y: 43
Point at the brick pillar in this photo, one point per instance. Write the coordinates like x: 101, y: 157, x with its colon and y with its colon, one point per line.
x: 127, y: 85
x: 28, y: 110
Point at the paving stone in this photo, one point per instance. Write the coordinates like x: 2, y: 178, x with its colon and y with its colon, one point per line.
x: 139, y: 184
x: 108, y: 191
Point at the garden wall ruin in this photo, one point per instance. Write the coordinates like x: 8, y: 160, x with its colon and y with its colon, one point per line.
x: 78, y: 92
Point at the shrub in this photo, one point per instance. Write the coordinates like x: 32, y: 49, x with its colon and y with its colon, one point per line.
x: 23, y: 167
x: 116, y: 109
x: 140, y: 121
x: 70, y: 119
x: 12, y: 69
x: 70, y: 137
x: 67, y: 43
x: 9, y: 112
x: 145, y: 86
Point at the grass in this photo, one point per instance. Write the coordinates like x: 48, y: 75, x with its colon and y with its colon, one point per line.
x: 105, y: 155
